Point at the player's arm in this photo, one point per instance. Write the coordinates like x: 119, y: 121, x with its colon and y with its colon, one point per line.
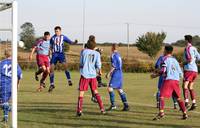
x: 19, y: 75
x: 98, y: 64
x: 67, y: 40
x: 113, y: 67
x: 32, y: 52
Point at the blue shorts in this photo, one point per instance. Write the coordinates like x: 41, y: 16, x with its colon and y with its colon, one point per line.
x: 58, y: 57
x: 5, y: 97
x: 116, y: 80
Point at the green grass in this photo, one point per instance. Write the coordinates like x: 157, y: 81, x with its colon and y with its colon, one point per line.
x: 58, y: 109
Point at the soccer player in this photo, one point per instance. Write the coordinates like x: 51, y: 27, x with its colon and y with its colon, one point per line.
x: 58, y: 55
x: 158, y: 66
x: 171, y: 71
x: 42, y: 48
x: 116, y: 81
x: 6, y: 83
x: 99, y: 79
x: 191, y: 55
x: 90, y: 65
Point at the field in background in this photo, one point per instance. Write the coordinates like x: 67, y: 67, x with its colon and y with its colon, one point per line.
x: 73, y: 54
x: 57, y: 109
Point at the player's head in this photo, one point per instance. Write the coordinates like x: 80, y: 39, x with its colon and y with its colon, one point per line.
x: 188, y: 38
x: 168, y: 49
x: 91, y: 45
x: 57, y: 30
x: 92, y: 38
x: 114, y: 47
x: 47, y: 35
x: 8, y: 53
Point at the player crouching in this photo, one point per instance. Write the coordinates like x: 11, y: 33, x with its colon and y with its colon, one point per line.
x: 171, y: 71
x: 42, y: 47
x: 90, y: 64
x: 116, y: 81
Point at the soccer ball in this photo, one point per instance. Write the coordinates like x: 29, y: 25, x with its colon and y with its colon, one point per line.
x: 21, y: 44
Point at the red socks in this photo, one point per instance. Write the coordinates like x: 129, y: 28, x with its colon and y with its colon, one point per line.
x: 99, y: 101
x: 186, y: 94
x: 182, y: 106
x: 192, y: 94
x: 80, y: 104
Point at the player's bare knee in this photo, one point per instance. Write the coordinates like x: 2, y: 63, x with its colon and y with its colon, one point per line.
x: 81, y: 93
x: 110, y: 89
x: 95, y: 91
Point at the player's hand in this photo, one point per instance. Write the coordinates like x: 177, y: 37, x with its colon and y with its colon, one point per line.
x: 30, y: 57
x: 76, y: 41
x: 153, y: 75
x: 107, y: 75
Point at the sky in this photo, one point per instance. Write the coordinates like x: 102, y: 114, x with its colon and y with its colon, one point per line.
x: 106, y: 19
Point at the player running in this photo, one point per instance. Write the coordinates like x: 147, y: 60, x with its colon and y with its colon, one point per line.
x: 58, y: 55
x: 90, y: 65
x: 42, y: 47
x: 158, y: 66
x: 191, y: 55
x: 116, y: 81
x: 6, y: 84
x: 172, y: 72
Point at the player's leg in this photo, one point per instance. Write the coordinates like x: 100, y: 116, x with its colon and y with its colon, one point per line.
x: 186, y: 93
x: 124, y: 99
x: 192, y: 94
x: 158, y: 98
x: 44, y: 75
x: 38, y: 72
x: 80, y: 103
x: 93, y: 98
x: 40, y: 69
x: 93, y: 83
x: 174, y: 101
x: 67, y: 73
x: 112, y: 99
x: 100, y: 83
x: 51, y: 76
x: 5, y: 106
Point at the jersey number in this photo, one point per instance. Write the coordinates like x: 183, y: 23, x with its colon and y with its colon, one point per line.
x: 91, y: 58
x: 7, y: 68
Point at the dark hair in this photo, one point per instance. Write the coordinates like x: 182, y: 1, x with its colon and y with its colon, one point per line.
x: 57, y: 28
x: 169, y: 49
x: 46, y: 33
x: 188, y: 38
x: 92, y: 38
x: 91, y: 44
x: 114, y: 46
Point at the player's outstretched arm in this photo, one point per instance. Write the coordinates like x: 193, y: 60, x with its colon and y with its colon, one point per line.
x: 31, y: 54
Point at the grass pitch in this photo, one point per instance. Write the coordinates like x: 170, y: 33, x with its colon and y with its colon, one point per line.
x: 58, y: 109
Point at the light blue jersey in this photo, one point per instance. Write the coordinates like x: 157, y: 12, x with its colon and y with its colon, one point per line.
x: 42, y: 47
x: 90, y: 62
x: 191, y: 55
x: 171, y: 69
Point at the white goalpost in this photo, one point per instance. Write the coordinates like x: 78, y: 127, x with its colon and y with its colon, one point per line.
x: 13, y: 29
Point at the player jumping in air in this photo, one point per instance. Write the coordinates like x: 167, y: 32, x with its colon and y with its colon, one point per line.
x: 90, y: 66
x: 158, y: 66
x: 171, y: 72
x: 58, y: 55
x: 191, y: 55
x: 99, y: 79
x: 6, y: 83
x: 42, y: 47
x: 116, y: 80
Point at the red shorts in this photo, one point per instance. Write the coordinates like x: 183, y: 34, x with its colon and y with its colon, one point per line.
x: 84, y: 83
x: 42, y: 60
x: 190, y: 76
x: 170, y: 87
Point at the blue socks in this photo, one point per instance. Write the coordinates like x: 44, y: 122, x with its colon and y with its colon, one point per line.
x: 158, y: 96
x: 51, y: 78
x: 112, y: 98
x: 123, y: 98
x: 6, y: 109
x: 67, y: 75
x: 174, y: 100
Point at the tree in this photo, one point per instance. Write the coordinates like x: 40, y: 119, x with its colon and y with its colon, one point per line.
x: 150, y: 43
x: 28, y: 34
